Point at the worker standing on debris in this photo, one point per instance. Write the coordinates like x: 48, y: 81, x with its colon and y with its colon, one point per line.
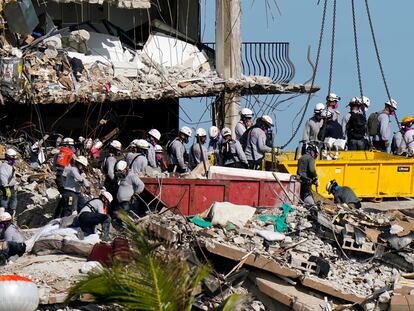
x: 307, y: 174
x: 108, y: 166
x: 245, y: 122
x: 159, y: 158
x: 332, y: 105
x: 379, y: 126
x: 256, y: 142
x: 231, y: 151
x: 130, y: 185
x: 153, y: 137
x: 75, y: 179
x: 8, y: 182
x: 94, y: 213
x: 198, y: 152
x: 314, y: 124
x: 177, y: 154
x: 214, y: 145
x: 62, y: 159
x: 140, y: 162
x: 399, y: 144
x: 343, y: 195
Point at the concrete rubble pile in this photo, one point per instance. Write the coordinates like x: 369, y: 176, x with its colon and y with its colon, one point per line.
x: 306, y: 264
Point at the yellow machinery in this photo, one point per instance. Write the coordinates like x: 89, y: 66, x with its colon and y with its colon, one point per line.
x: 371, y: 174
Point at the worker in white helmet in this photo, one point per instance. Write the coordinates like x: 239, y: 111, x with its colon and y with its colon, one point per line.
x: 214, y: 144
x: 159, y: 158
x: 139, y: 162
x: 108, y: 166
x: 354, y: 126
x: 10, y: 233
x: 198, y: 152
x: 332, y: 104
x: 231, y: 151
x: 153, y: 138
x: 131, y: 151
x: 246, y: 116
x: 130, y: 185
x: 8, y: 182
x: 256, y: 142
x: 379, y: 126
x: 177, y: 153
x: 75, y: 179
x: 314, y: 124
x: 93, y: 213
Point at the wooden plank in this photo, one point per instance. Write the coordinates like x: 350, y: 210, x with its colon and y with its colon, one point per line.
x: 257, y: 261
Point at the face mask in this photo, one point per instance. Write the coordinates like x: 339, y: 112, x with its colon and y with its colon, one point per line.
x: 11, y: 161
x: 158, y: 156
x: 1, y: 226
x: 81, y: 170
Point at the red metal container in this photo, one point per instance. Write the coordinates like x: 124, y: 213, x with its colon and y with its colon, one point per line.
x: 193, y: 196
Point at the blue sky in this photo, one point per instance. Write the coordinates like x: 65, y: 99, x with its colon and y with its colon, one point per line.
x: 299, y: 24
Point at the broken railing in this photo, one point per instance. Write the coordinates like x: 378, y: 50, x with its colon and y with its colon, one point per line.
x: 270, y: 59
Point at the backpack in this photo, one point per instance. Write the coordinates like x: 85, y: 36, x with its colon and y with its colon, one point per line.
x: 243, y: 139
x: 373, y: 124
x: 356, y: 126
x: 225, y: 151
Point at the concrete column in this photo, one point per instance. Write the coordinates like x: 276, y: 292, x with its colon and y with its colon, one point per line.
x: 228, y: 57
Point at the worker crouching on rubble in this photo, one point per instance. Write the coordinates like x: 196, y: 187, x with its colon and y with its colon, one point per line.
x: 10, y: 234
x: 231, y: 151
x: 139, y: 162
x: 8, y: 182
x: 130, y: 185
x: 307, y: 174
x: 94, y: 213
x: 343, y: 194
x: 75, y: 179
x: 153, y: 138
x: 198, y: 152
x: 256, y: 142
x: 177, y: 154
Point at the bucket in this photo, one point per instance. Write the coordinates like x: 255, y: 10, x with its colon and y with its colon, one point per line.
x: 64, y: 156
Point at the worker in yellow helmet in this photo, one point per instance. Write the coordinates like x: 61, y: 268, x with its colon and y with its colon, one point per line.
x: 399, y: 144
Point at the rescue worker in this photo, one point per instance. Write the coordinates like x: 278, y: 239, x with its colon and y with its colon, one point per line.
x: 365, y: 103
x: 8, y: 182
x: 214, y: 145
x: 332, y: 105
x: 129, y: 185
x: 94, y: 213
x: 313, y: 125
x: 62, y: 159
x: 330, y: 127
x: 307, y: 173
x: 140, y: 162
x: 256, y: 142
x: 108, y: 168
x: 381, y: 140
x: 231, y: 151
x: 74, y: 180
x: 153, y: 137
x: 409, y: 138
x: 356, y: 126
x: 132, y: 151
x: 343, y: 194
x: 399, y: 144
x: 354, y: 107
x: 177, y: 154
x: 198, y: 152
x: 9, y: 231
x: 245, y: 122
x: 159, y: 158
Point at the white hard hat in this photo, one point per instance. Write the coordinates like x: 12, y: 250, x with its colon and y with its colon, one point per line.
x: 354, y: 101
x: 201, y: 132
x: 107, y: 196
x: 11, y: 153
x: 213, y: 131
x: 332, y: 97
x: 392, y: 103
x: 318, y: 108
x: 68, y: 141
x: 5, y: 216
x: 143, y: 144
x: 155, y: 133
x: 225, y: 131
x: 134, y: 143
x: 158, y: 148
x: 267, y: 119
x: 366, y: 101
x: 121, y: 165
x: 81, y: 139
x: 98, y: 144
x: 186, y: 131
x: 88, y: 143
x: 246, y: 112
x: 116, y: 144
x: 82, y: 160
x: 330, y: 185
x: 326, y: 114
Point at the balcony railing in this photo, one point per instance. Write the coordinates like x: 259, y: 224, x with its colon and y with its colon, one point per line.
x: 270, y: 59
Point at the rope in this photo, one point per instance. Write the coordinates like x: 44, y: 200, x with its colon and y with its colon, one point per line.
x: 332, y: 47
x: 313, y: 76
x: 357, y: 50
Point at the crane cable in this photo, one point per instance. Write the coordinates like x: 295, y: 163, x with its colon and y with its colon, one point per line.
x: 332, y: 47
x: 313, y: 76
x: 361, y: 92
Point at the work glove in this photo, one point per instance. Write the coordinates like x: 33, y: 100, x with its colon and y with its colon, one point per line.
x: 7, y: 192
x: 316, y: 182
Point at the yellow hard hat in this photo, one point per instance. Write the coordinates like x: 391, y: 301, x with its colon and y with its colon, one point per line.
x: 407, y: 120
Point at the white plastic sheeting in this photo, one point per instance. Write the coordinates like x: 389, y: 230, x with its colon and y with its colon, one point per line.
x: 225, y: 212
x: 220, y: 172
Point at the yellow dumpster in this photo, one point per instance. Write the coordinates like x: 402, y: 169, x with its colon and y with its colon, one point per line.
x: 371, y: 174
